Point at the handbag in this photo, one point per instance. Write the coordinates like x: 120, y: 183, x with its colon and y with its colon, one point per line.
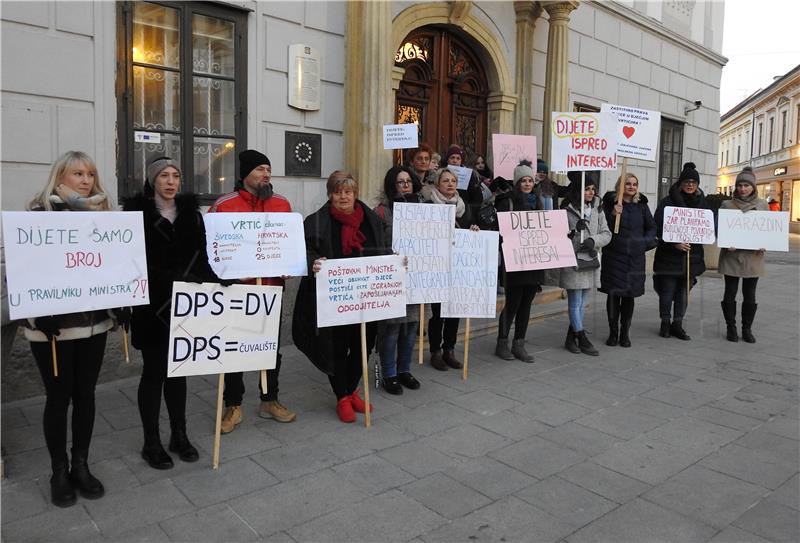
x: 584, y: 265
x: 487, y: 216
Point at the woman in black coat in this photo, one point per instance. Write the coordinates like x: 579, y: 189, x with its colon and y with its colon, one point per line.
x: 669, y: 265
x: 345, y: 227
x: 622, y: 272
x: 175, y: 241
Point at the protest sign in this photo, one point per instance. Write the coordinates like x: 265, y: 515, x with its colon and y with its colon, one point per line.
x: 688, y: 225
x: 353, y: 290
x: 60, y: 262
x: 463, y: 176
x: 508, y: 150
x: 473, y: 275
x: 754, y: 229
x: 637, y: 131
x: 424, y: 233
x: 256, y: 244
x: 400, y: 136
x: 215, y: 329
x: 535, y: 240
x: 583, y: 141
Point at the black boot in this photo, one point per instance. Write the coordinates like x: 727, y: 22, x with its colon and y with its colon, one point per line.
x: 664, y: 332
x: 571, y: 343
x: 449, y: 358
x: 392, y: 385
x: 154, y: 454
x: 61, y: 492
x: 585, y: 345
x: 86, y: 483
x: 748, y: 314
x: 612, y: 310
x: 676, y: 330
x: 624, y: 331
x: 518, y: 348
x: 437, y: 361
x: 729, y: 312
x: 179, y: 443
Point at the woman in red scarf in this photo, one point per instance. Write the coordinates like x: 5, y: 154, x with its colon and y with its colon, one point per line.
x: 342, y: 228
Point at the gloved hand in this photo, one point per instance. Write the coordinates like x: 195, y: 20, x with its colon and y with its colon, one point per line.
x: 123, y: 316
x: 581, y: 225
x: 48, y: 326
x: 587, y: 245
x: 228, y: 282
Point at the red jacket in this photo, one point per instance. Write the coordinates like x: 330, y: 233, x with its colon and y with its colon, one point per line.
x: 245, y: 202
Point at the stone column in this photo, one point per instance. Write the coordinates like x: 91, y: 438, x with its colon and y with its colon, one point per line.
x: 527, y: 13
x: 369, y: 101
x: 556, y: 89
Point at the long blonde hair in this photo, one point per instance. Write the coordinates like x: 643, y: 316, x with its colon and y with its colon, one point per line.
x: 59, y: 169
x: 619, y: 182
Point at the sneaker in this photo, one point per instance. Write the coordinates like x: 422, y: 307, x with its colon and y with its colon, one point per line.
x: 408, y: 381
x: 275, y: 410
x: 231, y: 418
x: 392, y: 385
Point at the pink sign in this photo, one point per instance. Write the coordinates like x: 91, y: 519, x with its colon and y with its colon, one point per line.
x: 536, y: 240
x: 508, y: 150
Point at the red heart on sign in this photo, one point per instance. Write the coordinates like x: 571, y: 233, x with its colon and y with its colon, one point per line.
x: 628, y: 131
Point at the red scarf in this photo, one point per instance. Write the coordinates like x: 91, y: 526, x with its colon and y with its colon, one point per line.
x: 352, y: 236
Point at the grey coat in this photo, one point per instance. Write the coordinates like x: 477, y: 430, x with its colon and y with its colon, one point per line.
x: 741, y: 262
x: 570, y: 278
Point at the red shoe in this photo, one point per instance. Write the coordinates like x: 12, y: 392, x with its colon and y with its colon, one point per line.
x: 358, y: 404
x: 344, y: 408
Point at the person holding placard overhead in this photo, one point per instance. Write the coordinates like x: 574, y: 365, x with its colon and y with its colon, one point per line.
x: 669, y: 264
x: 589, y: 232
x: 747, y: 264
x: 80, y: 342
x: 254, y: 194
x: 344, y: 227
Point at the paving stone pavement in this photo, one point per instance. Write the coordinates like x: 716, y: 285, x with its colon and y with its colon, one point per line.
x: 667, y: 441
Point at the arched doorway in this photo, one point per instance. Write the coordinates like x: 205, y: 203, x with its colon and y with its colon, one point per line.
x: 444, y: 90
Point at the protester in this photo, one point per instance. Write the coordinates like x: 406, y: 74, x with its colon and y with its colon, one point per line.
x: 483, y: 169
x: 669, y: 264
x: 396, y: 336
x: 589, y: 232
x: 436, y: 161
x: 622, y: 273
x: 419, y: 160
x: 73, y: 185
x: 546, y: 190
x: 747, y: 264
x: 344, y: 227
x: 473, y: 195
x: 774, y: 205
x: 254, y: 193
x: 520, y: 286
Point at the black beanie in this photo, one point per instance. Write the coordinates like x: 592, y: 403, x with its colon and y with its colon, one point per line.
x: 689, y: 172
x: 249, y: 160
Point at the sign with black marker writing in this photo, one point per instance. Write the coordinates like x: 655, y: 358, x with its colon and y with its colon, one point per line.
x: 688, y: 225
x: 535, y: 240
x: 473, y: 276
x: 754, y: 230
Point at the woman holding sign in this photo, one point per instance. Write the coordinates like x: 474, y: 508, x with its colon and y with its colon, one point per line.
x: 669, y: 264
x: 80, y: 342
x: 342, y: 228
x: 736, y: 263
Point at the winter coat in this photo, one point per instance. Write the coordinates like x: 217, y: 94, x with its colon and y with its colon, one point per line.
x: 384, y: 212
x: 742, y: 262
x: 623, y: 264
x: 176, y: 251
x: 570, y: 278
x: 516, y: 201
x: 669, y: 260
x: 323, y: 239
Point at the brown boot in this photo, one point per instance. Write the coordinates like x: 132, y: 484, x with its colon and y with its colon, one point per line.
x: 450, y: 359
x: 437, y: 361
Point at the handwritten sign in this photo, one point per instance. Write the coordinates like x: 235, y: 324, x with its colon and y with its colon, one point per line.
x: 583, y: 141
x: 59, y: 262
x: 754, y: 229
x: 535, y: 240
x: 473, y: 275
x: 688, y: 225
x: 508, y: 150
x: 400, y: 136
x: 215, y: 329
x: 256, y: 244
x: 463, y: 176
x: 353, y: 290
x: 637, y: 131
x: 424, y: 233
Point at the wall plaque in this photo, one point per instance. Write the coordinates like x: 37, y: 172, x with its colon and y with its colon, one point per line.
x: 303, y: 154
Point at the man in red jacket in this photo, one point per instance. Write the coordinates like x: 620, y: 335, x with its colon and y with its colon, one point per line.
x: 253, y: 194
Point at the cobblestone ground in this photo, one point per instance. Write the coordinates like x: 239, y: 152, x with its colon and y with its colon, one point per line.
x: 666, y: 441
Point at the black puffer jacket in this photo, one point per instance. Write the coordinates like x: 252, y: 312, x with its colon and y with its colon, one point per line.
x: 669, y: 260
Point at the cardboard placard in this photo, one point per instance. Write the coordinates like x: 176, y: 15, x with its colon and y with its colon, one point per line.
x: 400, y: 136
x: 754, y: 230
x: 535, y: 240
x: 583, y: 141
x: 688, y: 225
x: 637, y: 131
x: 473, y: 275
x: 508, y: 150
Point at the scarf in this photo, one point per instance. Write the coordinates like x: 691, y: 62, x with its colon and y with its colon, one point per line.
x: 75, y: 202
x: 166, y: 208
x: 745, y: 204
x: 531, y: 197
x: 352, y: 236
x: 438, y: 198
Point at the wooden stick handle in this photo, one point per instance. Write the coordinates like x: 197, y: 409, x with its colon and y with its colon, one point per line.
x: 466, y: 350
x: 421, y: 331
x: 263, y: 372
x: 125, y: 346
x: 620, y: 192
x: 218, y: 426
x: 365, y: 374
x: 55, y: 358
x: 688, y: 275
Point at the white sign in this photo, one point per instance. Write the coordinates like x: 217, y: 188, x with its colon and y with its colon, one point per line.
x: 424, y: 233
x: 583, y: 141
x: 243, y: 245
x: 473, y: 275
x: 354, y: 290
x: 215, y: 329
x: 463, y: 176
x: 304, y: 70
x: 688, y: 225
x: 400, y: 136
x: 146, y: 137
x: 65, y: 262
x: 637, y: 131
x: 754, y: 229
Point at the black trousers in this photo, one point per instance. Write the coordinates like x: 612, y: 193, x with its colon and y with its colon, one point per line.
x: 621, y: 306
x: 234, y: 386
x: 442, y: 333
x: 79, y: 362
x: 154, y: 380
x: 748, y: 289
x: 671, y: 296
x: 347, y: 359
x: 517, y: 309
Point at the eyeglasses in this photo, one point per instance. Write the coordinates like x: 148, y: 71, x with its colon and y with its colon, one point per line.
x: 689, y: 182
x: 403, y: 183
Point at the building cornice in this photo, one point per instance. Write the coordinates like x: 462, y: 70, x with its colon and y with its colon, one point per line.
x: 759, y: 97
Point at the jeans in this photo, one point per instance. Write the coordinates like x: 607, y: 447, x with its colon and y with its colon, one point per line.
x: 395, y: 344
x: 576, y: 301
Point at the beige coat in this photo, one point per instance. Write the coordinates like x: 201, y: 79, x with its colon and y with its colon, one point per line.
x: 742, y: 262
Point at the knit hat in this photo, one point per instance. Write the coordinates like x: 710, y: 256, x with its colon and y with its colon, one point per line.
x: 249, y: 160
x: 592, y: 178
x: 158, y: 165
x: 523, y: 170
x: 541, y: 166
x: 689, y: 172
x: 454, y: 150
x: 747, y: 176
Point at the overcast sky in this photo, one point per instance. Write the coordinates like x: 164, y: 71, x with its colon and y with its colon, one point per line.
x: 761, y: 39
